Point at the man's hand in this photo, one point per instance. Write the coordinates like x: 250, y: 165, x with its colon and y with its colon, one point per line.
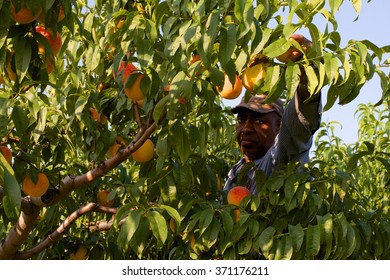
x: 293, y: 54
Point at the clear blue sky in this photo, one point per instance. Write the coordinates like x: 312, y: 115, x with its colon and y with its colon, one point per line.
x: 373, y: 24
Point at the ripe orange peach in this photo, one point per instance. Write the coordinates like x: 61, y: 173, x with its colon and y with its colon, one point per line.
x: 145, y: 152
x: 100, y: 118
x: 102, y: 196
x: 35, y: 189
x: 229, y: 91
x: 194, y: 58
x: 235, y: 196
x: 94, y: 114
x: 24, y: 15
x: 133, y: 91
x: 6, y: 153
x: 113, y: 150
x: 253, y: 74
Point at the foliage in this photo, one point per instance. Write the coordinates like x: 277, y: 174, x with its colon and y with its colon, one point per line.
x: 337, y: 209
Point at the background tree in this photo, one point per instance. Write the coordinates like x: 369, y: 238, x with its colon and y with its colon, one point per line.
x: 78, y: 104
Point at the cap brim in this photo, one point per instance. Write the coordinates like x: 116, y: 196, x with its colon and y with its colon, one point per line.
x: 244, y: 107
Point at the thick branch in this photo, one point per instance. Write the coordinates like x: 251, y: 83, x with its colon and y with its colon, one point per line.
x: 51, y: 238
x: 21, y: 230
x: 72, y: 182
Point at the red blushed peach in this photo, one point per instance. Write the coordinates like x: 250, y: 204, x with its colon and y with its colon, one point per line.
x: 237, y: 194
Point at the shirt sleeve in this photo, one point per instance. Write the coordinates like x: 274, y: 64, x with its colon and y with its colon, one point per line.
x: 299, y: 123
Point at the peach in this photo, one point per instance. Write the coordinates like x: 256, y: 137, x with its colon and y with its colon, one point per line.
x: 237, y: 194
x: 102, y: 196
x: 6, y: 153
x: 229, y: 91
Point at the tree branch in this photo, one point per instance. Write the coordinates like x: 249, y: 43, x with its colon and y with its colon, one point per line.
x: 104, y: 225
x: 51, y: 238
x: 21, y: 230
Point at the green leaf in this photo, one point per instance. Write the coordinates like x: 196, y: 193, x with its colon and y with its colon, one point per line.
x: 343, y: 223
x: 312, y: 80
x: 271, y: 81
x: 20, y: 119
x: 297, y: 235
x: 284, y: 248
x: 335, y: 5
x: 203, y: 138
x: 331, y: 67
x: 129, y: 227
x: 159, y: 227
x: 332, y: 96
x: 292, y: 77
x: 227, y: 221
x: 243, y: 10
x: 168, y: 190
x: 172, y: 212
x: 160, y: 108
x: 276, y: 48
x: 5, y: 22
x: 227, y: 43
x: 181, y: 85
x: 313, y: 241
x: 205, y: 220
x: 12, y: 194
x: 22, y: 55
x: 357, y: 5
x: 352, y: 163
x: 351, y: 241
x: 79, y: 106
x: 212, y: 29
x: 181, y: 144
x: 92, y: 58
x: 151, y: 31
x: 40, y: 128
x: 267, y: 239
x: 315, y: 35
x: 144, y: 51
x: 88, y: 22
x: 210, y: 235
x: 265, y: 36
x: 244, y: 246
x: 326, y: 225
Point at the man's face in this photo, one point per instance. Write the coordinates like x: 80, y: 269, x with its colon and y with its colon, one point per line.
x: 256, y: 132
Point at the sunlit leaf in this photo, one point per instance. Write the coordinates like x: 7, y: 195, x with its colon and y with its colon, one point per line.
x: 267, y: 239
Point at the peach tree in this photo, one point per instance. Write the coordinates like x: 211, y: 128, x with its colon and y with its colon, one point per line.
x: 72, y: 116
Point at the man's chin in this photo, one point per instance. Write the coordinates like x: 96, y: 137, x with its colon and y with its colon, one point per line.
x: 249, y: 155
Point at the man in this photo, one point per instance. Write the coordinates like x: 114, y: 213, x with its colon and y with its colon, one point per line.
x: 269, y: 135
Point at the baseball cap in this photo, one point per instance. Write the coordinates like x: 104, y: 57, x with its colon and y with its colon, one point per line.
x: 256, y: 103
